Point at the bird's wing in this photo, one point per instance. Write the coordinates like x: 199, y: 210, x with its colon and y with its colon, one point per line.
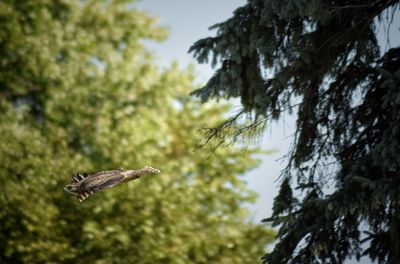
x: 86, y: 193
x: 78, y: 177
x: 110, y: 182
x: 82, y: 196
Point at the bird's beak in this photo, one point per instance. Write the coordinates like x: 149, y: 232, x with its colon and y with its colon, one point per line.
x: 71, y: 188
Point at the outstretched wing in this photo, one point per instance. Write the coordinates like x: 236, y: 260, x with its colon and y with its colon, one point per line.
x: 82, y: 196
x: 97, y: 182
x: 78, y: 177
x: 108, y: 183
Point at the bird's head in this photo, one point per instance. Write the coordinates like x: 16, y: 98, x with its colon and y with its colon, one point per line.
x: 72, y: 189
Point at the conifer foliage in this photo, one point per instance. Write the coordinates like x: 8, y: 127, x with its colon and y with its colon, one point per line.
x: 320, y: 60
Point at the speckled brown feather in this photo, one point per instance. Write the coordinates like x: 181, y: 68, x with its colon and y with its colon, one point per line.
x: 83, y: 186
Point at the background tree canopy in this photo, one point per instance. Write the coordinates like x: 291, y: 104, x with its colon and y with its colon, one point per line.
x: 320, y: 60
x: 79, y: 92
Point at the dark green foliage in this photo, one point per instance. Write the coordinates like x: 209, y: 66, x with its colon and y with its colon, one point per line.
x: 321, y: 60
x: 80, y: 93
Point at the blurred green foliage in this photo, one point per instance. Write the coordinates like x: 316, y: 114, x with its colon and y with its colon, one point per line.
x: 79, y: 92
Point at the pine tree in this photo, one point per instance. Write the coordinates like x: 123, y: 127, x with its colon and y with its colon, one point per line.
x: 340, y: 196
x: 80, y: 93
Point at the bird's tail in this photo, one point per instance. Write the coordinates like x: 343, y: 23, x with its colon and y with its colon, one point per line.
x: 149, y: 169
x: 135, y: 174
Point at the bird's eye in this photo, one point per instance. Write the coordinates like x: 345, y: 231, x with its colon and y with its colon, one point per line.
x: 69, y: 188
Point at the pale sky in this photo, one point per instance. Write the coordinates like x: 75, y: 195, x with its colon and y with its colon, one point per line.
x: 188, y: 21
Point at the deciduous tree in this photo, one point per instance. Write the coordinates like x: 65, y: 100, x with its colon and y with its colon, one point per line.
x: 79, y: 92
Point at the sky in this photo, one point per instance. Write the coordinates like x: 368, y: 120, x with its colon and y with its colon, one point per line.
x: 188, y: 21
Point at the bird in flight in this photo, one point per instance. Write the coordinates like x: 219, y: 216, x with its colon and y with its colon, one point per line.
x: 84, y: 185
